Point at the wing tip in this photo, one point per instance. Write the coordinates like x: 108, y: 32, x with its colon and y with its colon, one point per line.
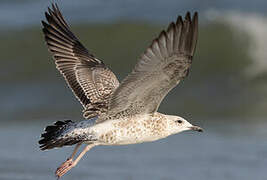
x: 188, y: 26
x: 179, y: 21
x: 188, y: 16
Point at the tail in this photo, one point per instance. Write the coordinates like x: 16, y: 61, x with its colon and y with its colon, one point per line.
x: 57, y: 135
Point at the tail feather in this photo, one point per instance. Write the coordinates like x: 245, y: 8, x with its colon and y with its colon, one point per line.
x: 66, y: 133
x: 51, y: 136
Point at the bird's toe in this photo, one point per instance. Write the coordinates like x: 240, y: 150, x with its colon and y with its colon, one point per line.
x: 63, y: 168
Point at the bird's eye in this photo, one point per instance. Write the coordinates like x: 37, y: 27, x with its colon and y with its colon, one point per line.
x: 179, y: 121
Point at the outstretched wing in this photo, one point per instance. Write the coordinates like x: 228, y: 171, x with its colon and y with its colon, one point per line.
x: 89, y: 79
x: 160, y: 68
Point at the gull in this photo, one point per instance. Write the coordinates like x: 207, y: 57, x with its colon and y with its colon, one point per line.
x: 118, y: 113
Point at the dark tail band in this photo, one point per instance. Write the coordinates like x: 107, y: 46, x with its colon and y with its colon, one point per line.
x: 50, y: 136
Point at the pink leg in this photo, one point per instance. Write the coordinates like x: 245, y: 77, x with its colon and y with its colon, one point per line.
x: 67, y: 165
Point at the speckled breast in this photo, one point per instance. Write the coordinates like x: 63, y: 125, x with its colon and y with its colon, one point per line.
x: 134, y: 130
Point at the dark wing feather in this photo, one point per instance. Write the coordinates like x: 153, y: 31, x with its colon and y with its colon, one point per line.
x: 89, y: 79
x: 160, y: 68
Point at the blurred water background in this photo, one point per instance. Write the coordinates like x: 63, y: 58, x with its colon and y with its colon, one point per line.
x: 225, y: 93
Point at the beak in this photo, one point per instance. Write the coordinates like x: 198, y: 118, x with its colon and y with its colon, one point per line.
x: 196, y: 128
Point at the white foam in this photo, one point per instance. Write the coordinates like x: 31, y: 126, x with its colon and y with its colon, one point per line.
x: 255, y: 26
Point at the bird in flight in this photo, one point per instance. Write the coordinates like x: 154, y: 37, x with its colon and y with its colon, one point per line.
x: 118, y: 113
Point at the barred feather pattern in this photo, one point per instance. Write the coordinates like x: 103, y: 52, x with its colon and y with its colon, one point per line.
x: 88, y: 77
x: 66, y: 133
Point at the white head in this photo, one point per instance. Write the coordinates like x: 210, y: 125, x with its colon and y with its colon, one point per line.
x: 178, y: 124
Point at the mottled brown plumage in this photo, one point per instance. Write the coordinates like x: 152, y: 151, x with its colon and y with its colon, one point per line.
x: 123, y: 113
x: 160, y: 68
x: 88, y: 77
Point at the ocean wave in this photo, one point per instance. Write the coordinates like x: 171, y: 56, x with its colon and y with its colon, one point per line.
x: 255, y: 26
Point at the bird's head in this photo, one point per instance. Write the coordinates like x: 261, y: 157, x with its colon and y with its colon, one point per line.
x: 178, y: 124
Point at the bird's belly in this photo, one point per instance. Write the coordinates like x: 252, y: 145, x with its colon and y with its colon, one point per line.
x: 123, y: 138
x: 134, y: 139
x: 122, y: 133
